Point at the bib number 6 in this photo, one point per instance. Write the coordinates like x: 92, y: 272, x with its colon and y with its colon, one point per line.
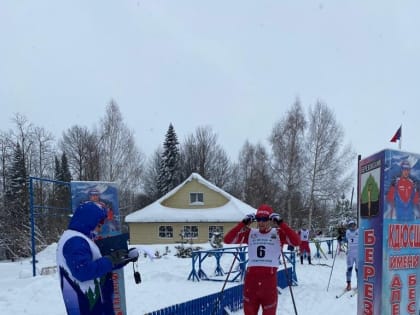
x: 260, y: 251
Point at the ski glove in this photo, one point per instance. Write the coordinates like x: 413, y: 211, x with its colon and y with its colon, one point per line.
x: 275, y: 217
x: 118, y: 257
x: 248, y: 219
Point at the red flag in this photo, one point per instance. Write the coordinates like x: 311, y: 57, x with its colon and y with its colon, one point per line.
x: 397, y: 136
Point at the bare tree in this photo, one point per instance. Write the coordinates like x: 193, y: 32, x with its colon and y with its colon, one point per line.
x: 120, y: 160
x: 327, y: 158
x: 287, y: 143
x: 151, y: 175
x: 43, y: 153
x: 255, y: 175
x: 23, y: 135
x: 200, y: 153
x: 82, y: 151
x: 6, y: 153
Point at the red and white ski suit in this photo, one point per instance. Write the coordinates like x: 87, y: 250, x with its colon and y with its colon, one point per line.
x: 264, y: 250
x: 304, y: 242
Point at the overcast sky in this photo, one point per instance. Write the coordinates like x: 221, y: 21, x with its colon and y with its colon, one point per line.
x: 236, y: 66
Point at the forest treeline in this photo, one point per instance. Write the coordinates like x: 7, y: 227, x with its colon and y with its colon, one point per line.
x: 305, y: 173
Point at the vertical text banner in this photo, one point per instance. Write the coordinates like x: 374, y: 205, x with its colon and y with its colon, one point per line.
x: 390, y: 234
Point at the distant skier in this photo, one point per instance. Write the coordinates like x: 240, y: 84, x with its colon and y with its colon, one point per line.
x: 264, y: 250
x: 216, y: 240
x: 305, y: 250
x: 352, y: 237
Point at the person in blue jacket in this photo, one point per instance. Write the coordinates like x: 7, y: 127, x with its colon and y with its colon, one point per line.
x: 85, y: 275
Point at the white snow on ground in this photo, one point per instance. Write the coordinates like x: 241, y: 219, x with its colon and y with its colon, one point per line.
x: 164, y: 283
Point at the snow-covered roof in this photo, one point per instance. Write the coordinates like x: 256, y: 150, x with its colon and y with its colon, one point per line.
x: 233, y: 211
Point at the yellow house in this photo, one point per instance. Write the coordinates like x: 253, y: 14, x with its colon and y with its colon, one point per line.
x: 193, y: 210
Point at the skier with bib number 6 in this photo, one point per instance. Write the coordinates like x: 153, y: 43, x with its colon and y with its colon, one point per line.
x: 264, y: 251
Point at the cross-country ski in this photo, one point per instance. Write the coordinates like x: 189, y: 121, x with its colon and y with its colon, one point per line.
x: 351, y: 292
x: 341, y: 294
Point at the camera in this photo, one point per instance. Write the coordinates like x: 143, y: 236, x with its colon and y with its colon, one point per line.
x: 137, y: 277
x: 136, y: 274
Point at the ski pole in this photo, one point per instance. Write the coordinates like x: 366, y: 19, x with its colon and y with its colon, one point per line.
x: 216, y: 304
x: 332, y: 267
x: 289, y: 281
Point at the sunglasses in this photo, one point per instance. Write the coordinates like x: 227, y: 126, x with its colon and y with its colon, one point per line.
x: 261, y: 219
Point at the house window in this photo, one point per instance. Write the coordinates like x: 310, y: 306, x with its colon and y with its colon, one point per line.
x: 196, y: 198
x: 166, y: 231
x: 215, y: 229
x: 190, y: 231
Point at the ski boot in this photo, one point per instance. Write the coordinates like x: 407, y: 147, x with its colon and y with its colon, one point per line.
x: 348, y: 288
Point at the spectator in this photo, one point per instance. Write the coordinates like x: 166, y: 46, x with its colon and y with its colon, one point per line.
x: 85, y: 275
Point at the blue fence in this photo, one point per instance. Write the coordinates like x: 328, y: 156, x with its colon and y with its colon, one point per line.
x: 212, y: 304
x: 318, y: 246
x: 198, y: 257
x: 240, y: 255
x: 215, y: 304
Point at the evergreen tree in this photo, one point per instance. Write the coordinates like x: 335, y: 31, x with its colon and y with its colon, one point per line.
x: 17, y: 190
x: 56, y: 168
x: 65, y: 175
x: 17, y: 225
x: 62, y: 191
x: 169, y: 168
x: 56, y: 219
x: 343, y: 212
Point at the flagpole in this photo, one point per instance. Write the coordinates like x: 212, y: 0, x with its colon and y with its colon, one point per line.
x: 397, y: 137
x: 399, y: 142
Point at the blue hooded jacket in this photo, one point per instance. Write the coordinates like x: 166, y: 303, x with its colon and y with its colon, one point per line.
x: 85, y: 263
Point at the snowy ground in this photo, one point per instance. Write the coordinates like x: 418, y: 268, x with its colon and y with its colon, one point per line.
x: 164, y: 283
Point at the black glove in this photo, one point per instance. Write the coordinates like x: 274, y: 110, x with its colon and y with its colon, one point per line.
x: 248, y: 219
x: 275, y: 217
x: 119, y: 257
